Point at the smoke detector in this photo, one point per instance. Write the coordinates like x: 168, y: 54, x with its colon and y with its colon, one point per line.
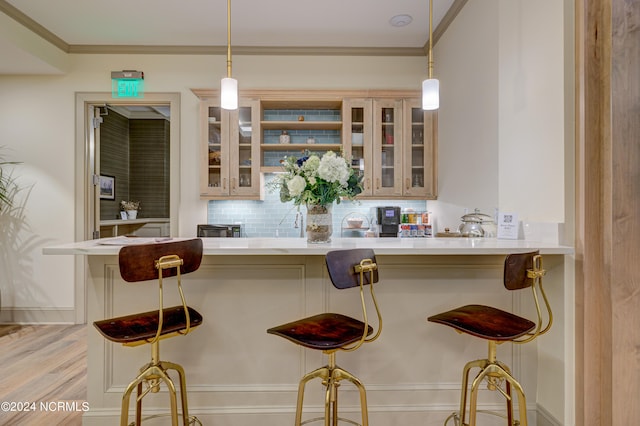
x: 400, y: 20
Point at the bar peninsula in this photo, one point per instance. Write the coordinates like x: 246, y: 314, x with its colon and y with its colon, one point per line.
x: 239, y: 375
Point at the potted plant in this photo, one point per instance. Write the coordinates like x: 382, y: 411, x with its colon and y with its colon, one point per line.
x: 131, y: 208
x: 8, y: 186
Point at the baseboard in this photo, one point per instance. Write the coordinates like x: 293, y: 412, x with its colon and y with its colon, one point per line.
x: 37, y: 315
x: 544, y: 418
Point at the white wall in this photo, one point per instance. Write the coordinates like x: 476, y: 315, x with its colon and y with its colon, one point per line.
x: 531, y: 109
x: 466, y: 62
x: 501, y: 121
x: 485, y: 126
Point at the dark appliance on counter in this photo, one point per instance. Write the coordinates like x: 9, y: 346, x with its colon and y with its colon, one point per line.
x: 388, y: 220
x: 220, y: 231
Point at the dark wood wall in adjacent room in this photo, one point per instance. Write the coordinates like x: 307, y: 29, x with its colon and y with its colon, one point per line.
x: 136, y: 153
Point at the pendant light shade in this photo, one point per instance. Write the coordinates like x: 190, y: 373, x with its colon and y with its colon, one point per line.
x: 229, y: 93
x: 430, y: 86
x: 431, y: 94
x: 228, y: 85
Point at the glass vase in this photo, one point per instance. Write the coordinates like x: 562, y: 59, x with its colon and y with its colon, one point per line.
x: 319, y: 223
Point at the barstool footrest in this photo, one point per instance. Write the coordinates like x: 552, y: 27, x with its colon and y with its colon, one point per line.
x: 193, y: 420
x: 455, y: 416
x: 340, y: 419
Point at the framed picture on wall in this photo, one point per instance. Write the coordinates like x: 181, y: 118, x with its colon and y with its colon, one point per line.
x: 107, y: 187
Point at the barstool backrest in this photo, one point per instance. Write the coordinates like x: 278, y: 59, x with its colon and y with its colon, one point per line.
x: 515, y: 270
x: 341, y: 266
x: 524, y: 270
x: 137, y: 261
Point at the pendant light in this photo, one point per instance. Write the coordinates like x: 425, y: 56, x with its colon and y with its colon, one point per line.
x: 430, y: 86
x: 228, y: 85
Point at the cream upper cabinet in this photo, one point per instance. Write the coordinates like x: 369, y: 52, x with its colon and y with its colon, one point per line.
x: 389, y: 140
x: 392, y: 144
x: 387, y: 147
x: 231, y: 151
x: 419, y: 172
x: 357, y: 129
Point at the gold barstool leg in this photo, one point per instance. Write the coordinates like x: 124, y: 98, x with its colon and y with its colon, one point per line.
x: 331, y: 376
x: 152, y: 372
x: 329, y: 397
x: 479, y: 363
x: 490, y: 368
x: 138, y: 405
x: 509, y: 398
x: 343, y: 374
x: 166, y: 365
x: 496, y: 371
x: 323, y: 373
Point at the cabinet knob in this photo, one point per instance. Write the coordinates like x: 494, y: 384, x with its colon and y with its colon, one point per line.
x: 408, y: 184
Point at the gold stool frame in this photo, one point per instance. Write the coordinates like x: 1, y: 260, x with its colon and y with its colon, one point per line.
x: 331, y: 374
x: 155, y: 372
x: 495, y: 372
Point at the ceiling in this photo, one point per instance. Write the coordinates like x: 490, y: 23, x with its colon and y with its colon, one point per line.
x: 348, y: 27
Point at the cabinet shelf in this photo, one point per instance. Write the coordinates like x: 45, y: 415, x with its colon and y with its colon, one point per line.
x: 301, y: 125
x: 300, y: 146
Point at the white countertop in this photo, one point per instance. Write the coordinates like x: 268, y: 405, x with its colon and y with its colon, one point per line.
x: 141, y: 220
x: 299, y: 246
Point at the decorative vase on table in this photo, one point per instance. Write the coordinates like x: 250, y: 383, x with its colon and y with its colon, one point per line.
x: 132, y: 214
x: 319, y: 223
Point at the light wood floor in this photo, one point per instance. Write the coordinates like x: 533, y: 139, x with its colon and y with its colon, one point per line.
x: 45, y: 365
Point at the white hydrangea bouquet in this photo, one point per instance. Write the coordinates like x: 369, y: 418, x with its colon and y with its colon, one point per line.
x: 311, y: 179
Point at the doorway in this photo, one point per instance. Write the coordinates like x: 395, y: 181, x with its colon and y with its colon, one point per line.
x: 89, y: 107
x: 132, y: 144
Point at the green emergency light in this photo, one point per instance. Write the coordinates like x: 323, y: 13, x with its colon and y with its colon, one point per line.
x: 127, y: 84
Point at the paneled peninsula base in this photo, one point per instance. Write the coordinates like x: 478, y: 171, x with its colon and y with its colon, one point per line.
x: 238, y: 375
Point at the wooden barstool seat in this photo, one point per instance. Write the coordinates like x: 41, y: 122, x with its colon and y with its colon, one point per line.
x: 145, y: 262
x: 522, y: 270
x: 142, y: 328
x: 331, y: 332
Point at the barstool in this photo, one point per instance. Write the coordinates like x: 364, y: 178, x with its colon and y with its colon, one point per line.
x: 521, y: 271
x: 331, y: 332
x: 143, y: 262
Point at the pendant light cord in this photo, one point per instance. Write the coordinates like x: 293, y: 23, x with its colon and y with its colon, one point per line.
x: 228, y: 38
x: 430, y: 69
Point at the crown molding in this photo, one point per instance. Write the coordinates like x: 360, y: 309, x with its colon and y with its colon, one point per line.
x: 246, y: 50
x: 33, y: 26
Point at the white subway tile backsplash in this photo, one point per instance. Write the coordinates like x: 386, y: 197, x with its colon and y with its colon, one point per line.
x: 264, y: 218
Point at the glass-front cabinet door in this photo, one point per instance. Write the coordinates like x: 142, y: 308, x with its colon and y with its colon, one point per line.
x: 214, y: 181
x: 244, y: 157
x: 387, y: 144
x: 419, y: 156
x: 358, y: 149
x: 232, y: 152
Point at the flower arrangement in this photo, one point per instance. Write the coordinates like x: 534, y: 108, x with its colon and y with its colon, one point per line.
x: 311, y: 179
x: 129, y: 205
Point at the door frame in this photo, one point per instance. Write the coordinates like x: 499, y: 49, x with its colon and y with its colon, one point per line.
x: 85, y: 169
